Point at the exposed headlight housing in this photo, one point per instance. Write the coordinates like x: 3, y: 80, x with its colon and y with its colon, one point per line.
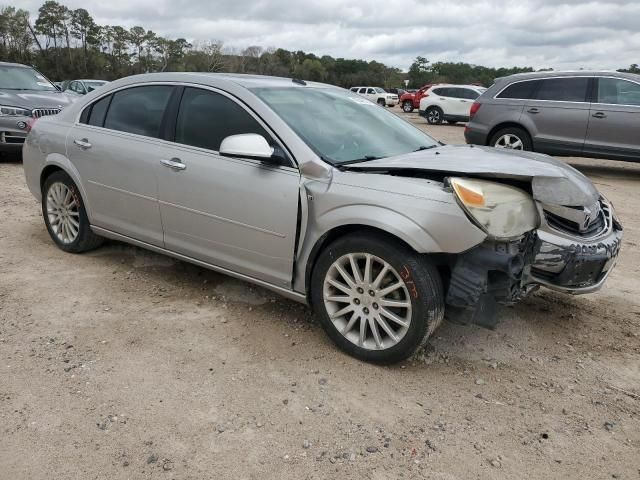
x: 7, y: 111
x: 500, y: 210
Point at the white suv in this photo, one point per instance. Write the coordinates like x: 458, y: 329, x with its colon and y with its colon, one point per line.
x: 377, y: 95
x: 449, y: 102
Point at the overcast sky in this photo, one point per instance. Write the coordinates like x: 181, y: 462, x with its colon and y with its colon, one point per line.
x: 537, y: 33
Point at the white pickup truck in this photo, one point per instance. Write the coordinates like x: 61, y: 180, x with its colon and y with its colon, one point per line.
x: 377, y: 95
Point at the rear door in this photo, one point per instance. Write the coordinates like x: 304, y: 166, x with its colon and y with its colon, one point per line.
x: 614, y: 123
x: 459, y: 103
x: 235, y: 213
x: 115, y: 148
x: 558, y: 114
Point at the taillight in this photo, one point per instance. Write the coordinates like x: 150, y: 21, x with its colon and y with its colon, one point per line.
x: 474, y: 109
x: 30, y: 124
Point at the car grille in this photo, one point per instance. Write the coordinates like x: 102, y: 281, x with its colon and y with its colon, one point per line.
x: 591, y: 228
x: 41, y: 112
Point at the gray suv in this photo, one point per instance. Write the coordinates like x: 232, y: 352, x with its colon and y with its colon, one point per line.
x: 593, y: 114
x: 25, y: 94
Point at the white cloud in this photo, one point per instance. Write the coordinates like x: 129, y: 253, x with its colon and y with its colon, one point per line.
x: 538, y: 33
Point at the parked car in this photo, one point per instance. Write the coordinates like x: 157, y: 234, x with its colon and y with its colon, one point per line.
x: 377, y: 95
x: 593, y: 114
x: 310, y: 191
x: 25, y: 94
x: 82, y: 87
x: 395, y: 91
x: 451, y: 103
x: 410, y: 100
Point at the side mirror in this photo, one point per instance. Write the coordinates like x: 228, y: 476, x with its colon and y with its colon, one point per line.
x: 249, y: 145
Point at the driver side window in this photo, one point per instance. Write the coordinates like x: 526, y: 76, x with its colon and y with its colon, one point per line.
x: 205, y: 118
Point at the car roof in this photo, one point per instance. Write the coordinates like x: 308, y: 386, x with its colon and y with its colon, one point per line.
x: 440, y: 85
x: 10, y: 64
x: 567, y: 73
x: 217, y: 79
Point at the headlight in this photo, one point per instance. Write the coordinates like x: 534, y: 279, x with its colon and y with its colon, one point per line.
x: 500, y: 210
x: 6, y: 111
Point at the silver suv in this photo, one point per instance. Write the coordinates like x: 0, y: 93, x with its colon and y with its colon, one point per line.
x: 25, y: 94
x: 593, y: 114
x: 318, y: 194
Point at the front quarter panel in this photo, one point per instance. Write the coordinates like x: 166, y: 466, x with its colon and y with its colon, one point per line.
x: 424, y: 215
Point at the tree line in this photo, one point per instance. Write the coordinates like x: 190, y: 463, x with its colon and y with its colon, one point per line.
x: 65, y: 44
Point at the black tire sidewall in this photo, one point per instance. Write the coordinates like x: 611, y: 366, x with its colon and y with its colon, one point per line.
x: 431, y: 109
x: 517, y: 132
x: 84, y: 231
x: 422, y: 280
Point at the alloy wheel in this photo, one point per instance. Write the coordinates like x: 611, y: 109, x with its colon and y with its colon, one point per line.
x: 63, y: 212
x: 433, y: 116
x: 509, y: 141
x: 367, y: 301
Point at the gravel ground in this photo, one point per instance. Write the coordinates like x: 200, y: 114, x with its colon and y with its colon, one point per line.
x: 123, y: 364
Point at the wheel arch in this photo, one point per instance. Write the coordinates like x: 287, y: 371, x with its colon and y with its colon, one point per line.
x: 502, y: 125
x: 57, y: 163
x: 338, y: 232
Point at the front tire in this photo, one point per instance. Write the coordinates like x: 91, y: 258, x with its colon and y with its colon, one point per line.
x: 434, y: 115
x: 377, y: 299
x: 65, y: 215
x: 382, y: 102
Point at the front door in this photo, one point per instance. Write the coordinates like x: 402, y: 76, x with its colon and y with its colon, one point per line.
x: 614, y: 122
x: 235, y: 213
x: 115, y: 148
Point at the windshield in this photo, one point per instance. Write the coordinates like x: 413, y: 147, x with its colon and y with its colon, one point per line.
x: 21, y: 78
x: 342, y: 127
x: 380, y: 90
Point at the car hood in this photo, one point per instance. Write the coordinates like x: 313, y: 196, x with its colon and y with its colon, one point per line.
x: 552, y: 181
x: 35, y: 99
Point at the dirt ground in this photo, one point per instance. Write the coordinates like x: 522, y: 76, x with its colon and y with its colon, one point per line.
x: 123, y: 364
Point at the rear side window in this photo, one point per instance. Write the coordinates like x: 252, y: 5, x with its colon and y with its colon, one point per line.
x: 138, y: 110
x: 616, y: 91
x: 520, y: 90
x: 469, y: 94
x: 98, y: 111
x: 564, y: 89
x: 206, y: 118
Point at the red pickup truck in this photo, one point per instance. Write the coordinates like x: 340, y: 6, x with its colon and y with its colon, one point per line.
x: 410, y: 101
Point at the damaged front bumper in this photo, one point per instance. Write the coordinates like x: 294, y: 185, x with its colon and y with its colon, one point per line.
x: 504, y: 272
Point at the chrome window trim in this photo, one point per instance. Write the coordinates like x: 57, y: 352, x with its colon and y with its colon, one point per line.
x: 495, y: 97
x: 77, y: 123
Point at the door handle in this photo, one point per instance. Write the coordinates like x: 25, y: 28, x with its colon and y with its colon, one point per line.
x: 463, y: 101
x: 533, y: 110
x: 174, y: 164
x: 599, y: 115
x: 83, y: 144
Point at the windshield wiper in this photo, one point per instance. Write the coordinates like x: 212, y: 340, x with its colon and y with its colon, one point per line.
x: 422, y: 147
x: 366, y: 158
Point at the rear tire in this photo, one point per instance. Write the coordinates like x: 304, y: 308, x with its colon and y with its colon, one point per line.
x: 452, y: 122
x: 395, y: 321
x: 407, y: 106
x: 434, y: 115
x: 512, y: 138
x: 65, y: 215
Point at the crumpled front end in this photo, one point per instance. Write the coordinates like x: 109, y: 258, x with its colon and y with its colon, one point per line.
x: 573, y: 250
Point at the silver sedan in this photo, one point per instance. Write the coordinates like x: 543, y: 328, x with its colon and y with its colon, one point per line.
x: 322, y: 196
